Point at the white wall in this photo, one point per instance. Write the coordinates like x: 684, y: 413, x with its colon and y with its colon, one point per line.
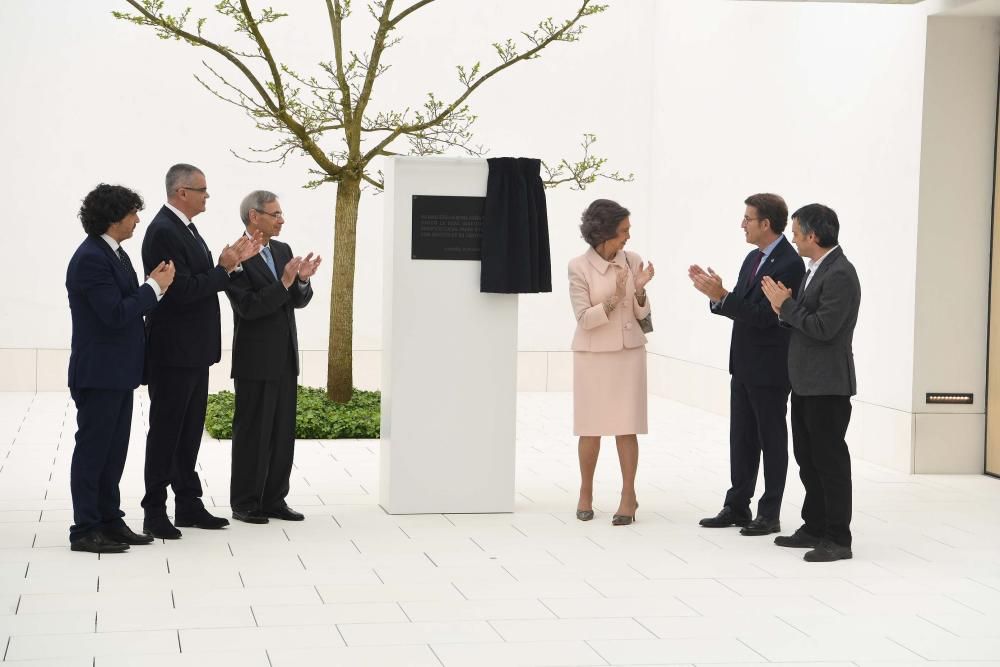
x: 953, y: 247
x: 707, y: 101
x: 780, y: 101
x: 93, y: 99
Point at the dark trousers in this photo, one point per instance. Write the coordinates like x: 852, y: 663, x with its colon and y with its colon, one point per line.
x: 819, y: 424
x: 757, y: 426
x: 177, y: 397
x: 263, y: 443
x: 104, y: 419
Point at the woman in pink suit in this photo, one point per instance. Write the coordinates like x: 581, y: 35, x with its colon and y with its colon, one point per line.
x: 607, y: 287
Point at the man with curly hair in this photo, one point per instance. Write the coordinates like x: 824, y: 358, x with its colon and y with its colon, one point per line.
x: 107, y: 305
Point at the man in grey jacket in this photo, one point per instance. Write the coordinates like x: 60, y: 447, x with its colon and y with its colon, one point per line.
x: 821, y: 368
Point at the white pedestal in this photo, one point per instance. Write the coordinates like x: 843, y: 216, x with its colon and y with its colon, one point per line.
x: 449, y: 366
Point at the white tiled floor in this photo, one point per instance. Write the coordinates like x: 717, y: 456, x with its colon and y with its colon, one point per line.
x: 354, y: 586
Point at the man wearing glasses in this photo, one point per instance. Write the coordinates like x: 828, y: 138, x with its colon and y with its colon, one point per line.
x: 758, y: 363
x: 183, y: 339
x: 264, y: 297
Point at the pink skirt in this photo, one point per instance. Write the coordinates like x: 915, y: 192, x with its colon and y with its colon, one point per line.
x: 609, y: 392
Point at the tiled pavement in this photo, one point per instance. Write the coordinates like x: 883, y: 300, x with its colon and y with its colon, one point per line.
x: 354, y: 586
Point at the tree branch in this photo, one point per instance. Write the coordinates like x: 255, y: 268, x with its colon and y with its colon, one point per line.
x: 371, y: 181
x: 406, y: 12
x: 265, y: 51
x: 552, y: 35
x: 174, y: 28
x: 583, y: 172
x: 336, y: 13
x: 372, y: 71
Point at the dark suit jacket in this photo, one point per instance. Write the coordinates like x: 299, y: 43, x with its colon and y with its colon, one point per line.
x: 185, y: 330
x: 106, y: 303
x: 264, y: 334
x: 758, y: 350
x: 822, y: 319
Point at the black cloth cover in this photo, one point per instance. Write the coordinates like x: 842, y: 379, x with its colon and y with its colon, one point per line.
x: 515, y: 229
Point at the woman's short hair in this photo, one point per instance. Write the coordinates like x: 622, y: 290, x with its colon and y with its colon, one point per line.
x: 105, y: 205
x: 600, y: 221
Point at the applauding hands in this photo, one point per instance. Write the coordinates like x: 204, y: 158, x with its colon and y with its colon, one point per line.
x: 708, y: 282
x: 300, y: 268
x: 642, y: 277
x: 243, y: 249
x: 776, y: 292
x: 163, y: 274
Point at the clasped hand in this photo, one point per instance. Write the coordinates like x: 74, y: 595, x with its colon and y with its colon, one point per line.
x: 163, y: 275
x: 776, y: 292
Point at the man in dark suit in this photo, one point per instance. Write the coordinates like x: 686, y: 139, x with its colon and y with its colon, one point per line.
x: 264, y: 297
x: 822, y: 318
x: 105, y: 365
x: 758, y: 363
x: 183, y: 340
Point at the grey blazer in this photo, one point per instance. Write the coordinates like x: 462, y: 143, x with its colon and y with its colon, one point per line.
x: 822, y: 319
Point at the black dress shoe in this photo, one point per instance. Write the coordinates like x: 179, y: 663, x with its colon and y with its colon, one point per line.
x: 249, y: 516
x: 202, y: 520
x: 761, y: 526
x: 160, y: 528
x: 827, y: 552
x: 125, y: 535
x: 727, y: 517
x: 800, y: 539
x: 98, y: 543
x: 286, y: 513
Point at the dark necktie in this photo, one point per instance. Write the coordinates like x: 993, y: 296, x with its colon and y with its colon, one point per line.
x: 805, y: 281
x: 753, y: 270
x: 127, y: 264
x: 123, y: 258
x: 201, y: 242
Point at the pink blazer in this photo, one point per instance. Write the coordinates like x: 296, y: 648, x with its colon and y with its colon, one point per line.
x: 591, y: 282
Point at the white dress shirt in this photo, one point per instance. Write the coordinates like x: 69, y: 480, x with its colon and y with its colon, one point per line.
x: 813, y: 266
x: 299, y: 283
x: 149, y: 281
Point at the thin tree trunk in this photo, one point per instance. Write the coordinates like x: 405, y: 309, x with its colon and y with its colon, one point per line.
x: 340, y: 376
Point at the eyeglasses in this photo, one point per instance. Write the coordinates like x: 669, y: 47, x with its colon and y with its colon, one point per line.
x: 203, y: 191
x: 746, y: 219
x: 275, y: 215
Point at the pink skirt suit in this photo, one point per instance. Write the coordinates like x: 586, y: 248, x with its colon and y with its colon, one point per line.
x: 609, y: 350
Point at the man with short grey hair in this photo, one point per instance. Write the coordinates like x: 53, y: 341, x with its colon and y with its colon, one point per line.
x: 822, y: 316
x: 264, y: 298
x: 183, y: 339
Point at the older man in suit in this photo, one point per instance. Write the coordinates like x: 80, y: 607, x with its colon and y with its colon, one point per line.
x: 106, y: 303
x: 822, y: 318
x: 264, y: 297
x: 758, y: 364
x: 184, y: 338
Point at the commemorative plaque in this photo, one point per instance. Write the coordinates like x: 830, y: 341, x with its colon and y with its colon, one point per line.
x: 447, y: 227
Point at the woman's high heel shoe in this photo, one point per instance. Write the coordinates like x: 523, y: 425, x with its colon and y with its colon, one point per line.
x: 624, y: 519
x: 585, y: 515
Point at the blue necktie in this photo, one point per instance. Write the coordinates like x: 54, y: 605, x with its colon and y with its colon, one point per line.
x: 266, y: 252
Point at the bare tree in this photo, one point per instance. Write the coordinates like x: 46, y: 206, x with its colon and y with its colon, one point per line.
x: 303, y: 110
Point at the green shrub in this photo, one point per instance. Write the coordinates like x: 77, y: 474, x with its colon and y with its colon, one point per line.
x: 317, y: 416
